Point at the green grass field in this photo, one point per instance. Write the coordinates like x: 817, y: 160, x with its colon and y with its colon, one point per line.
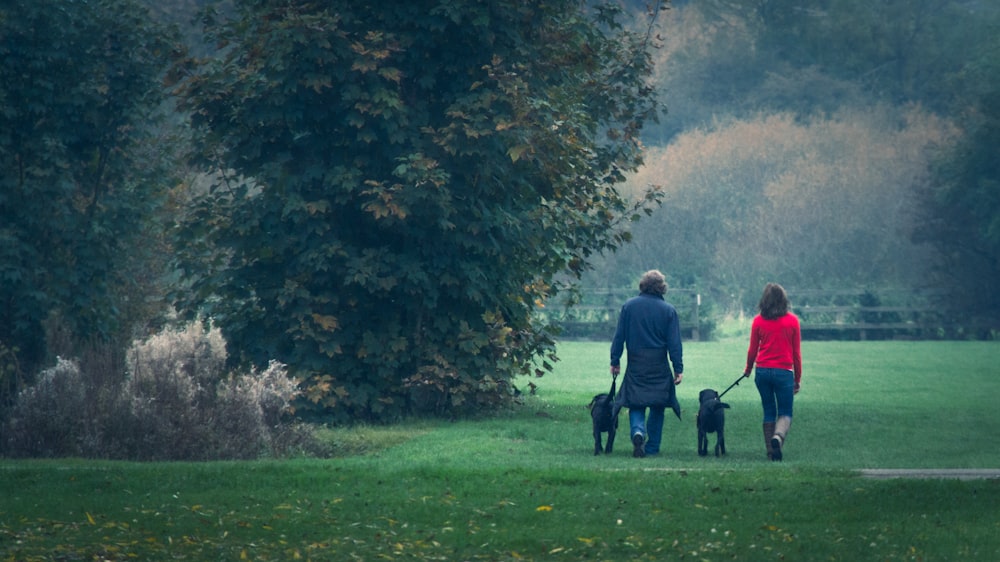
x: 525, y: 485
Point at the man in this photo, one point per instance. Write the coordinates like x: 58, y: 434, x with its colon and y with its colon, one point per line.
x: 649, y: 329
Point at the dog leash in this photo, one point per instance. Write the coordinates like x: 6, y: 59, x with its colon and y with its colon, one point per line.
x: 738, y: 381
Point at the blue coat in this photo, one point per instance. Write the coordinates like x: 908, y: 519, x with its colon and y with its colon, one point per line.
x: 648, y: 327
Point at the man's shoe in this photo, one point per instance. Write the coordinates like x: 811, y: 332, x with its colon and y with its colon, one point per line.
x: 638, y: 446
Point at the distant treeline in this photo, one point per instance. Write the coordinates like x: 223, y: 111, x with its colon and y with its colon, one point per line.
x: 825, y: 145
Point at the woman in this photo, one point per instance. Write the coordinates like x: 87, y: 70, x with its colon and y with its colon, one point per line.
x: 775, y: 340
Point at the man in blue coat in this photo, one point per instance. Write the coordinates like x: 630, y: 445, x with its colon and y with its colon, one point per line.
x: 649, y: 329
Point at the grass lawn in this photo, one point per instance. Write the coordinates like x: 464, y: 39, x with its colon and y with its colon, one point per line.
x: 526, y: 486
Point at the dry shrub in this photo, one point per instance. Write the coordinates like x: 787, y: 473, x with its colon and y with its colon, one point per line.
x: 169, y: 391
x: 45, y: 420
x: 178, y: 401
x: 249, y: 412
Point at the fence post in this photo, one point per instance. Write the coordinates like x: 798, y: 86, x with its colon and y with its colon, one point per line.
x: 695, y: 331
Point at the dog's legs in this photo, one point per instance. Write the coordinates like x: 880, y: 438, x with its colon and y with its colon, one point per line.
x: 768, y: 434
x: 720, y: 444
x: 702, y: 437
x: 611, y: 437
x: 780, y: 432
x: 597, y: 441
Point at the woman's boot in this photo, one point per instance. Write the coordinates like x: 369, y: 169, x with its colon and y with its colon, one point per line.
x: 780, y: 432
x: 768, y: 435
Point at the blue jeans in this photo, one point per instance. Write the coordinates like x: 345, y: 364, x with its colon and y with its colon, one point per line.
x: 652, y: 428
x: 777, y: 392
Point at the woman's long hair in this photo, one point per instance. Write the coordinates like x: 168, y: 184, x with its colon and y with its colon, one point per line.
x: 774, y: 302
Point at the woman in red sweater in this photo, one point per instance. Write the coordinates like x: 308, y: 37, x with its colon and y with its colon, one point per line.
x: 775, y: 348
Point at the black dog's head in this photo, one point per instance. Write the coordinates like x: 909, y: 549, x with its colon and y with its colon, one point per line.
x: 708, y: 395
x: 602, y: 410
x: 709, y: 400
x: 601, y: 405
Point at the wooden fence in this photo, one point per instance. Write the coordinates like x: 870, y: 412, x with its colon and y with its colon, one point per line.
x: 867, y: 315
x: 597, y: 314
x: 824, y: 314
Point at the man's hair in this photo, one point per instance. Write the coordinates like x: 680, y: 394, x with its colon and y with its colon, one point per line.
x: 774, y: 302
x: 653, y: 283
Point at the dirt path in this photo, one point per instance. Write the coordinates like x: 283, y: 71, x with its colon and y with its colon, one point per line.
x: 946, y: 473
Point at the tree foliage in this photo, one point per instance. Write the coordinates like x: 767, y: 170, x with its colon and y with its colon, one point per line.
x: 79, y: 174
x: 962, y: 217
x: 898, y: 51
x: 801, y: 141
x: 394, y: 190
x: 739, y: 57
x: 818, y: 204
x: 961, y: 207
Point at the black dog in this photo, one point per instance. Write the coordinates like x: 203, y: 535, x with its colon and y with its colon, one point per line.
x: 605, y: 418
x: 711, y: 419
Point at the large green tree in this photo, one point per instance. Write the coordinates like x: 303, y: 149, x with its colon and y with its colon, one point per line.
x: 962, y: 217
x: 80, y: 84
x: 395, y: 186
x: 961, y: 205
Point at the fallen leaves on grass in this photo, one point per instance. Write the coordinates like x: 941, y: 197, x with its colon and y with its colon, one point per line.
x: 291, y: 530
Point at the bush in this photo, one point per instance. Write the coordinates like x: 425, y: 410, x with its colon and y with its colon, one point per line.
x: 177, y: 402
x: 46, y: 419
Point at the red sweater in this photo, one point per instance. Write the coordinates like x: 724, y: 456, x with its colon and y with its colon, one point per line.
x: 775, y: 344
